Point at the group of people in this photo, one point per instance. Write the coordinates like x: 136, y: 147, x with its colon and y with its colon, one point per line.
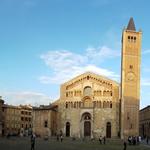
x: 133, y: 140
x: 102, y: 140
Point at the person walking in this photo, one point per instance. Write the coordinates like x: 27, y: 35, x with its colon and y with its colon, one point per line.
x: 61, y: 138
x: 147, y: 140
x: 125, y: 145
x: 57, y: 137
x: 104, y: 138
x: 32, y: 141
x: 100, y: 139
x: 61, y: 135
x: 140, y: 139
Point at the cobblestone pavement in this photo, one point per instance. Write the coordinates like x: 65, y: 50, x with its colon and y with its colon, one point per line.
x: 67, y: 144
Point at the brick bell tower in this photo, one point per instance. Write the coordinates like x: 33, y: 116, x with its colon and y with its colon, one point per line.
x: 130, y: 80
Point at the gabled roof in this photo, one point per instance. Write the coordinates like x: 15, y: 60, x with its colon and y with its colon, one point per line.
x: 91, y: 74
x: 131, y: 25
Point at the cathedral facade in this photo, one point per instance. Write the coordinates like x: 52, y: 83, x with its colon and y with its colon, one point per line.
x: 89, y: 106
x: 93, y: 105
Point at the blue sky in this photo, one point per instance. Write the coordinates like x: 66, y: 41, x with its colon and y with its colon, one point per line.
x: 44, y: 43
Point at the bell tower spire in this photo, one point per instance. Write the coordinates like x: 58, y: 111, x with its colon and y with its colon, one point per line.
x: 131, y: 25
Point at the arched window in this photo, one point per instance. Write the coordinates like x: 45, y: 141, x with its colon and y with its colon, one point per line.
x: 45, y: 123
x: 79, y: 104
x: 111, y: 104
x: 111, y: 93
x: 87, y: 102
x: 104, y: 93
x: 108, y: 105
x: 108, y: 93
x: 104, y: 104
x: 67, y: 94
x: 94, y: 104
x: 75, y: 105
x: 66, y: 105
x: 87, y: 91
x: 100, y: 104
x: 86, y: 116
x: 71, y: 104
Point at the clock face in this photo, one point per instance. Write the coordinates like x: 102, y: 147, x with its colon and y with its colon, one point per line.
x: 130, y: 76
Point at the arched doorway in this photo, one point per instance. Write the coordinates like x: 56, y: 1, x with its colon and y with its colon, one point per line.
x: 87, y: 128
x: 67, y: 129
x: 86, y: 118
x: 108, y: 130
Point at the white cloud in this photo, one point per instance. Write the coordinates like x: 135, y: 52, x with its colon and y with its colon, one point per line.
x: 66, y: 64
x: 100, y: 54
x: 145, y: 81
x: 146, y: 52
x: 25, y: 97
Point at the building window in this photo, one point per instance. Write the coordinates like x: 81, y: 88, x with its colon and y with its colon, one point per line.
x: 87, y: 91
x: 46, y: 124
x: 74, y: 104
x: 94, y: 104
x: 87, y: 116
x: 99, y: 104
x: 128, y: 116
x: 134, y: 39
x: 131, y: 66
x: 67, y: 94
x: 66, y: 105
x: 111, y: 93
x: 87, y: 77
x: 22, y: 119
x: 104, y: 104
x: 131, y: 38
x: 110, y: 104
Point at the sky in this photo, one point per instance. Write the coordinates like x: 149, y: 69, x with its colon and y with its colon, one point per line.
x: 44, y: 43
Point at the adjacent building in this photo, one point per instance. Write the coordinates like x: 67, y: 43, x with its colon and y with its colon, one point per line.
x: 44, y: 120
x: 18, y: 119
x: 145, y: 122
x: 12, y: 121
x: 26, y: 118
x: 1, y: 116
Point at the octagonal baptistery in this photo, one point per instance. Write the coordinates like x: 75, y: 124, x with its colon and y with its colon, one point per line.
x: 89, y: 106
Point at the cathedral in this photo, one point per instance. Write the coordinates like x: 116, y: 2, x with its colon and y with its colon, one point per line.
x: 91, y: 105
